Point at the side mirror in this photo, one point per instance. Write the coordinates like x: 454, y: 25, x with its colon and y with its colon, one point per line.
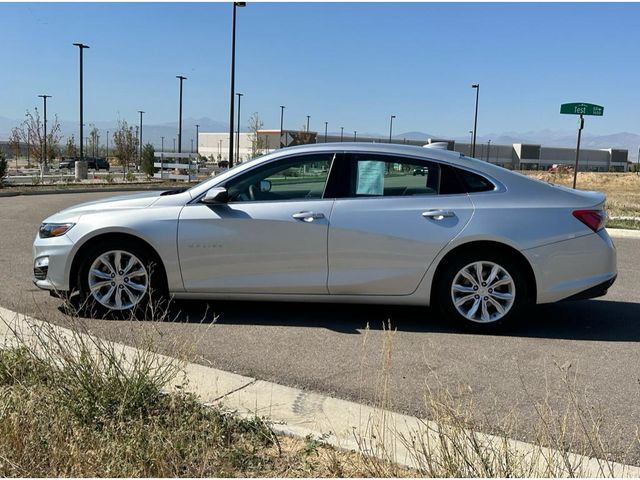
x: 265, y: 186
x: 216, y: 195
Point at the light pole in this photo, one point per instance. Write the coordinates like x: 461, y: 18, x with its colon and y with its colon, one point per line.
x: 81, y: 47
x: 282, y: 107
x: 238, y: 131
x: 475, y: 122
x: 341, y: 133
x: 107, y: 156
x: 140, y: 154
x: 308, y: 117
x: 197, y: 138
x: 233, y: 79
x: 181, y: 78
x: 355, y: 135
x: 44, y: 157
x: 391, y: 127
x: 161, y: 158
x: 488, y: 149
x: 326, y: 125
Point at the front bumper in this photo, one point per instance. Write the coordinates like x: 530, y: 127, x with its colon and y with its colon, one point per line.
x: 579, y: 266
x: 58, y: 250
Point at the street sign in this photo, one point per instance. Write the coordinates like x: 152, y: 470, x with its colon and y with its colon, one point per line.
x: 582, y: 109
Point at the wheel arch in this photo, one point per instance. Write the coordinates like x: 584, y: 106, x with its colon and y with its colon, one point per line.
x: 479, y: 246
x: 115, y: 237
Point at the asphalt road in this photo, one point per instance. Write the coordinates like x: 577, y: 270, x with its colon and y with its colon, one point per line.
x: 328, y: 348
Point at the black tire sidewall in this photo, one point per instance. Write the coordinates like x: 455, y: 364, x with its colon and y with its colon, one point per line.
x: 507, y: 262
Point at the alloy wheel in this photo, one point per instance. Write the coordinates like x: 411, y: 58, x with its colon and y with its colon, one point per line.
x: 483, y: 292
x: 118, y: 280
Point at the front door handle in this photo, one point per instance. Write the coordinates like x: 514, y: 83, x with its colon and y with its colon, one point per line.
x: 308, y: 216
x: 438, y: 214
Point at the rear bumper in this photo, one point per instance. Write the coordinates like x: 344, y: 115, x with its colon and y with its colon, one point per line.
x: 582, y: 267
x: 593, y: 292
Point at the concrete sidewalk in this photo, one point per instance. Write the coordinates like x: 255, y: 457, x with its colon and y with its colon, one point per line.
x: 343, y: 424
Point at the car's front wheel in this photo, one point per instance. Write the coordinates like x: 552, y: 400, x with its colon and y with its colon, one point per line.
x: 119, y: 280
x: 483, y: 291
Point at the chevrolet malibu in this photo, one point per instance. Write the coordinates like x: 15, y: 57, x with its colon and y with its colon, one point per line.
x: 343, y: 222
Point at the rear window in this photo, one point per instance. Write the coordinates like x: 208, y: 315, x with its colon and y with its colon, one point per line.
x: 473, y: 182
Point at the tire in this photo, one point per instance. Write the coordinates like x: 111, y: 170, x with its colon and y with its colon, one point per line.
x: 129, y: 291
x: 495, y: 297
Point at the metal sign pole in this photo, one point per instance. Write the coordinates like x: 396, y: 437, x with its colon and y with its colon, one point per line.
x: 575, y: 168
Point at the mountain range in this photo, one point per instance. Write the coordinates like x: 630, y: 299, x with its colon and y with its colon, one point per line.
x: 168, y: 130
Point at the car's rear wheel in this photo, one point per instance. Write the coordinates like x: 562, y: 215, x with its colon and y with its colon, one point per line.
x: 120, y: 280
x: 483, y: 291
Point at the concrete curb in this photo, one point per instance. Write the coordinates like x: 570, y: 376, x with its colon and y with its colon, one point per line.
x: 341, y: 423
x: 623, y: 233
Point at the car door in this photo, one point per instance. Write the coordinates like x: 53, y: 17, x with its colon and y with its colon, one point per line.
x: 399, y: 213
x: 271, y: 236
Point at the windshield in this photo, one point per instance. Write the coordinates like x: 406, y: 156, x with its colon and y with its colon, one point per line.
x: 226, y: 171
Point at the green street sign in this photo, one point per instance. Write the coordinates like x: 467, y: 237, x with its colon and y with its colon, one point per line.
x: 582, y: 109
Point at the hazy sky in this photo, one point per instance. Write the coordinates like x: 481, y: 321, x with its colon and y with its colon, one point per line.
x: 350, y: 64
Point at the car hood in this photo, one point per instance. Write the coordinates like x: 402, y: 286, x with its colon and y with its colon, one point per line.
x: 138, y: 200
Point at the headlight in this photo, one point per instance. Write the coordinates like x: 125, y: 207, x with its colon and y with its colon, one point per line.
x: 48, y: 230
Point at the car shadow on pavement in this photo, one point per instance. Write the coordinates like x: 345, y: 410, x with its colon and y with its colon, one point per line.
x: 601, y: 320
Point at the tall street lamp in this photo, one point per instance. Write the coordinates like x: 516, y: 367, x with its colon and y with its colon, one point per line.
x: 140, y: 154
x: 355, y: 135
x: 341, y: 133
x: 308, y: 117
x: 326, y: 125
x: 181, y: 78
x: 238, y: 131
x: 488, y: 149
x: 391, y: 127
x: 197, y: 138
x: 81, y: 47
x: 282, y: 107
x: 475, y: 122
x: 233, y: 79
x: 44, y: 157
x: 107, y: 145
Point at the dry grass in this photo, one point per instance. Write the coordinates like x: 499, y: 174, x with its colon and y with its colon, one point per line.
x: 622, y: 189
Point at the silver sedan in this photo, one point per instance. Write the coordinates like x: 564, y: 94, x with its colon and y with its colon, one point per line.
x: 343, y: 222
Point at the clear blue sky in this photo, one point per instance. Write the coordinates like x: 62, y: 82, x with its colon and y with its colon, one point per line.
x: 349, y: 64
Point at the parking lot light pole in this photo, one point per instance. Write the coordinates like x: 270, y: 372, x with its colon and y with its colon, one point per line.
x: 238, y: 131
x: 308, y: 117
x: 161, y: 157
x: 341, y: 133
x: 44, y: 157
x: 475, y: 122
x: 282, y: 107
x: 391, y: 127
x: 233, y: 79
x: 197, y: 138
x: 326, y: 126
x: 140, y: 154
x: 355, y: 135
x: 81, y: 47
x: 107, y: 156
x: 181, y: 78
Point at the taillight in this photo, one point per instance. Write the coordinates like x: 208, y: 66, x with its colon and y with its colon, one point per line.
x: 594, y: 219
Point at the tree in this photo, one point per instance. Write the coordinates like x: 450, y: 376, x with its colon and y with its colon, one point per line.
x: 33, y: 131
x: 257, y: 143
x: 3, y: 167
x: 14, y: 142
x: 126, y: 144
x: 71, y: 151
x: 148, y: 157
x: 94, y: 135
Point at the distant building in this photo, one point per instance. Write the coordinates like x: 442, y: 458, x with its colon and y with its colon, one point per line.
x: 517, y: 156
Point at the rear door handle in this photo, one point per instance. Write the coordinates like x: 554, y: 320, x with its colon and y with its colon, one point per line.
x: 438, y: 214
x: 308, y: 216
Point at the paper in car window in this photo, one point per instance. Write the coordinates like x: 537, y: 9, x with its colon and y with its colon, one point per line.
x: 370, y: 178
